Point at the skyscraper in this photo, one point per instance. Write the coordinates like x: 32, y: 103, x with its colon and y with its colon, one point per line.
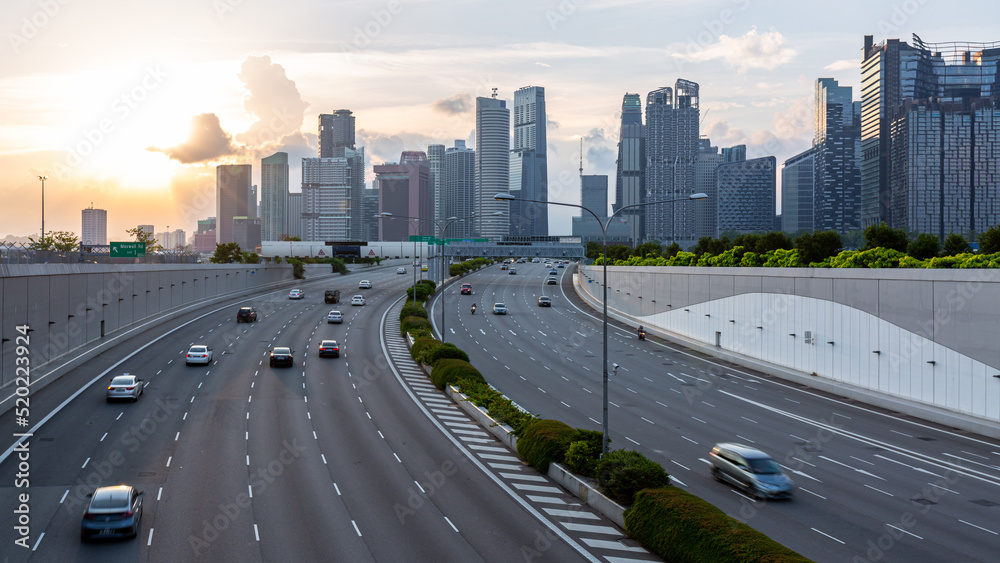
x: 798, y: 184
x: 404, y: 192
x: 630, y: 179
x: 435, y: 157
x: 336, y: 140
x: 746, y: 196
x: 529, y: 164
x: 837, y: 144
x: 594, y: 195
x: 326, y: 199
x: 672, y: 134
x: 459, y: 188
x: 706, y: 180
x: 274, y: 195
x: 735, y: 153
x: 95, y: 227
x: 232, y: 198
x: 492, y: 167
x: 336, y: 130
x: 293, y: 217
x: 246, y: 231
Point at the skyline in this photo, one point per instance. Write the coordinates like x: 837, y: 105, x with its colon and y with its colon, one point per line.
x: 253, y: 84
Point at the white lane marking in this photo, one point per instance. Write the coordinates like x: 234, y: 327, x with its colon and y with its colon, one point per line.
x: 450, y: 524
x: 861, y: 471
x: 647, y: 420
x: 751, y: 441
x: 85, y: 463
x: 827, y: 535
x: 879, y: 490
x: 355, y: 524
x: 904, y: 531
x: 543, y: 334
x: 980, y: 527
x: 256, y: 533
x: 148, y: 541
x: 812, y: 493
x: 64, y: 496
x: 689, y: 439
x: 675, y: 463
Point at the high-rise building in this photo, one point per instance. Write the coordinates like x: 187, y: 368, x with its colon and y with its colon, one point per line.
x: 630, y: 178
x: 95, y: 227
x: 148, y: 229
x: 492, y: 167
x: 746, y: 196
x: 837, y: 144
x: 371, y: 210
x: 336, y: 140
x: 529, y: 164
x: 293, y: 217
x: 326, y: 199
x: 404, y: 191
x: 204, y: 236
x: 706, y: 179
x: 798, y: 185
x: 172, y: 240
x: 594, y: 194
x: 672, y: 134
x: 246, y: 231
x: 459, y: 189
x: 336, y: 130
x: 232, y: 198
x: 735, y: 153
x: 254, y: 203
x: 274, y: 195
x: 435, y: 157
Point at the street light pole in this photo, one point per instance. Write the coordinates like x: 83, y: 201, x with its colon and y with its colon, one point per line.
x: 41, y: 239
x: 604, y: 233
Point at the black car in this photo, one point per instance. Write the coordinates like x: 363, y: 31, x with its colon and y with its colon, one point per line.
x: 331, y: 296
x: 281, y: 356
x: 246, y: 315
x: 329, y: 348
x: 113, y: 512
x: 544, y: 301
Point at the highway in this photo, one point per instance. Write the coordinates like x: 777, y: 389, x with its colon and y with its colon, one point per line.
x: 331, y: 459
x: 872, y: 485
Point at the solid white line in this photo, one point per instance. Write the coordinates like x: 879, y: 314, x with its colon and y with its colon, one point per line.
x: 85, y: 463
x: 631, y: 440
x: 250, y: 488
x: 337, y: 489
x: 647, y: 420
x: 675, y: 463
x: 747, y: 439
x: 689, y: 439
x: 168, y: 460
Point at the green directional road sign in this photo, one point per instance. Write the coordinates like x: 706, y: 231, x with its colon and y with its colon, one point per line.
x: 423, y: 238
x: 128, y: 249
x: 476, y: 240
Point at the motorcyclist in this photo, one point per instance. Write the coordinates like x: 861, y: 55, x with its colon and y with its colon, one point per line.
x: 473, y: 308
x: 641, y: 333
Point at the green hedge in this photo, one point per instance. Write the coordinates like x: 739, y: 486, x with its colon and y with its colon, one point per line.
x: 623, y: 473
x: 415, y: 323
x: 584, y: 452
x: 446, y: 371
x: 431, y: 284
x: 446, y: 350
x: 545, y: 441
x: 500, y: 408
x: 422, y: 292
x: 411, y: 309
x: 678, y: 526
x: 420, y: 347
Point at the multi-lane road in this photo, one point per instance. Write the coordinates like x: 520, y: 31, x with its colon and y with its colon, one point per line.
x: 871, y: 484
x: 346, y: 459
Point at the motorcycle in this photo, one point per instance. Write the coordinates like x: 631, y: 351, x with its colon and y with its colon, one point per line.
x: 642, y: 335
x: 473, y: 309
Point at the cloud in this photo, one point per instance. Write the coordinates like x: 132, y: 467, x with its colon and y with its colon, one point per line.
x: 751, y: 50
x: 546, y: 65
x: 207, y: 142
x: 601, y: 149
x: 456, y: 104
x: 273, y: 99
x: 843, y: 64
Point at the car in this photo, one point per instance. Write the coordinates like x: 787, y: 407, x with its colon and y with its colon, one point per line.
x: 499, y: 309
x: 334, y: 317
x: 364, y: 284
x: 331, y: 296
x: 281, y: 356
x: 400, y: 270
x: 553, y: 272
x: 423, y: 268
x: 416, y: 263
x: 512, y: 271
x: 551, y: 280
x: 126, y: 386
x: 561, y: 265
x: 296, y: 294
x: 503, y: 266
x: 544, y: 301
x: 466, y: 289
x: 750, y: 469
x: 198, y: 354
x: 329, y: 348
x: 246, y: 315
x: 357, y: 300
x: 113, y: 512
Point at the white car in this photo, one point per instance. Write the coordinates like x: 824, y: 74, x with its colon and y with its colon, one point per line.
x: 334, y: 317
x: 296, y: 294
x: 357, y: 300
x: 198, y: 355
x: 365, y: 284
x: 400, y: 270
x: 125, y: 387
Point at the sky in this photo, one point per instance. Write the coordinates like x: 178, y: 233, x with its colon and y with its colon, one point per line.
x: 128, y: 105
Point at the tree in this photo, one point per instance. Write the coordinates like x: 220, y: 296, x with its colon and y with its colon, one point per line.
x: 955, y: 244
x: 142, y: 236
x: 288, y: 238
x: 228, y: 253
x: 989, y: 241
x: 746, y: 240
x: 816, y: 247
x: 773, y: 240
x: 60, y: 241
x: 594, y: 249
x: 672, y: 250
x: 884, y: 236
x: 711, y: 246
x: 652, y: 249
x: 925, y: 246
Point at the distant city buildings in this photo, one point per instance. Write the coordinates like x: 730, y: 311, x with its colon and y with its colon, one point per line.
x: 232, y: 198
x: 459, y: 189
x: 630, y: 177
x: 293, y: 216
x: 404, y: 191
x: 746, y: 196
x: 798, y: 187
x: 94, y: 230
x: 706, y: 180
x: 204, y: 236
x: 246, y: 231
x: 492, y: 167
x: 336, y: 131
x: 326, y: 199
x: 172, y: 241
x: 594, y: 196
x: 274, y: 196
x: 672, y: 145
x: 336, y: 140
x: 435, y: 158
x: 529, y: 164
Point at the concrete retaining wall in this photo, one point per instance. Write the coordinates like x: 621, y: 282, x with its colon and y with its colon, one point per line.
x: 926, y: 336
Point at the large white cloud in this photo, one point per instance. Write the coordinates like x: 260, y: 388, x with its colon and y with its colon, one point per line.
x: 752, y: 50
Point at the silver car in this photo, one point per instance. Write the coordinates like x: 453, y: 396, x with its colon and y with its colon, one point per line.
x: 198, y: 354
x: 113, y: 512
x: 334, y: 317
x: 751, y: 470
x: 125, y: 387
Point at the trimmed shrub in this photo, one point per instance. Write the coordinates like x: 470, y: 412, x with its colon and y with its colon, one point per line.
x: 422, y: 292
x: 678, y: 526
x: 447, y: 371
x: 420, y: 347
x: 584, y: 452
x: 411, y: 309
x: 431, y: 284
x: 446, y: 350
x: 623, y: 473
x: 544, y: 442
x: 410, y: 324
x: 500, y: 408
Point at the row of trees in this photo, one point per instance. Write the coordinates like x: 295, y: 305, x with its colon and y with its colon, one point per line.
x: 812, y: 248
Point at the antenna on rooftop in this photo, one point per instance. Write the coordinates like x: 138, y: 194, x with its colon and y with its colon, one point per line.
x: 581, y: 157
x: 494, y: 93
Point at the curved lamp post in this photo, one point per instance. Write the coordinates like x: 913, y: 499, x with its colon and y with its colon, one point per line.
x: 604, y: 232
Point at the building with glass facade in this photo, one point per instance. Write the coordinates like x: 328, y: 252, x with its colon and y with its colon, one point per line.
x: 797, y: 189
x: 459, y: 189
x: 404, y: 191
x: 630, y: 178
x: 435, y: 157
x: 492, y: 167
x: 293, y: 219
x: 529, y: 164
x: 326, y: 199
x: 746, y: 196
x: 672, y: 144
x: 232, y: 198
x: 274, y: 195
x: 706, y: 179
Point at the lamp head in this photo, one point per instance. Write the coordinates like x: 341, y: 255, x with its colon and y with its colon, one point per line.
x: 504, y: 197
x: 698, y: 196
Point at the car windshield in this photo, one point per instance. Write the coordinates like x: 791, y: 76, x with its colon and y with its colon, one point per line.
x: 282, y: 351
x: 117, y: 498
x: 122, y: 380
x: 764, y: 466
x: 328, y: 343
x: 198, y: 350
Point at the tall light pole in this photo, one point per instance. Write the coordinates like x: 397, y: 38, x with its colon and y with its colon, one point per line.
x: 41, y: 239
x: 604, y: 233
